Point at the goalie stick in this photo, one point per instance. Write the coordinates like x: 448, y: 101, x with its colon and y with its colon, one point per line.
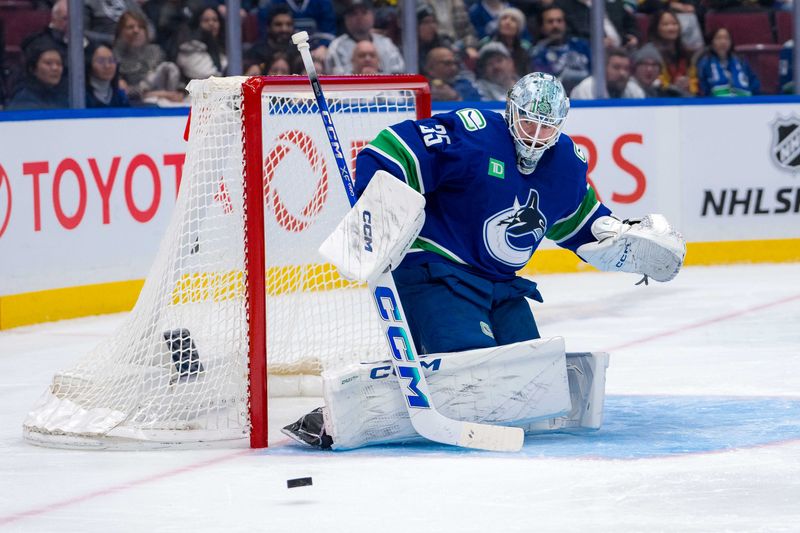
x: 425, y: 419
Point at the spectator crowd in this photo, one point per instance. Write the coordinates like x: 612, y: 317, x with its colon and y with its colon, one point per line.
x: 144, y: 52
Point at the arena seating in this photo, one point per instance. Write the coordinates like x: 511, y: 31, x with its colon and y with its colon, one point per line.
x: 763, y: 59
x: 745, y: 28
x: 784, y: 26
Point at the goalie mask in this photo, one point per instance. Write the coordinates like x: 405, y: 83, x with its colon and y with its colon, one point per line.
x: 536, y: 109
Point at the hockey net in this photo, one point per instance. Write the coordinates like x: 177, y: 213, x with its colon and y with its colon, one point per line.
x: 187, y: 366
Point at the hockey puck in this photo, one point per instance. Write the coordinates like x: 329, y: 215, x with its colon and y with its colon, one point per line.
x: 298, y: 482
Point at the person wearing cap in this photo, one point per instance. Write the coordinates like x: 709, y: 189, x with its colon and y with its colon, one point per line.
x: 618, y: 79
x: 509, y: 32
x: 428, y: 34
x: 359, y: 21
x: 647, y: 65
x: 43, y: 86
x: 567, y: 58
x: 496, y: 73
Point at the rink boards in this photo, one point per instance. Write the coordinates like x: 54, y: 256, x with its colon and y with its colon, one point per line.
x: 85, y: 197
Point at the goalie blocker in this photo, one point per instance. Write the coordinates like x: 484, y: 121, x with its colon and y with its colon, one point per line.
x: 531, y: 384
x: 377, y: 232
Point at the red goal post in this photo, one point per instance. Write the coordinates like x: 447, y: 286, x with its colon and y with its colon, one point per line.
x: 252, y: 120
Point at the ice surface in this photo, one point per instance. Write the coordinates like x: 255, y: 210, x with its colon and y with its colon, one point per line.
x: 702, y: 433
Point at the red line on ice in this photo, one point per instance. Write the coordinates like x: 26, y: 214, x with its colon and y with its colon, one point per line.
x: 721, y: 318
x: 4, y: 520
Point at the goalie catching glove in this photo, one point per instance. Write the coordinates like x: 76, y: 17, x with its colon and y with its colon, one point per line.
x: 377, y: 232
x: 650, y: 246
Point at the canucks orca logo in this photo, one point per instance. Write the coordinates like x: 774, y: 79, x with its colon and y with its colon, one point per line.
x: 511, y: 235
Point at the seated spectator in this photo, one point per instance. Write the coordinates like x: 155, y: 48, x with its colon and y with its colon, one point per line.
x: 720, y: 72
x: 428, y: 32
x: 647, y: 66
x: 619, y: 25
x: 100, y: 18
x: 496, y: 72
x: 687, y: 12
x: 102, y: 78
x: 146, y: 76
x: 449, y: 82
x: 510, y: 26
x: 618, y: 79
x: 278, y: 37
x: 316, y: 17
x: 56, y: 34
x: 786, y: 67
x: 679, y: 73
x: 484, y: 14
x: 454, y: 24
x: 203, y: 54
x: 359, y: 20
x: 56, y: 31
x: 278, y: 65
x: 567, y: 58
x: 365, y: 58
x: 43, y: 86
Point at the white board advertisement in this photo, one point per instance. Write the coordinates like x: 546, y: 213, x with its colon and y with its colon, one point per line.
x: 742, y: 174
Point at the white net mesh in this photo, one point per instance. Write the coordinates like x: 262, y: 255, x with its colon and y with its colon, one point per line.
x: 177, y: 371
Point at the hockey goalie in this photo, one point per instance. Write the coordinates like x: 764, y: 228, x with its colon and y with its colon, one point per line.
x: 454, y: 206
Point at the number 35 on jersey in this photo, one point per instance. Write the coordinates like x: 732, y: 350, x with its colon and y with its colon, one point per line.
x: 432, y: 135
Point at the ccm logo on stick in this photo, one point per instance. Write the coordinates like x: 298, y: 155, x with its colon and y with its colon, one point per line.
x: 400, y: 347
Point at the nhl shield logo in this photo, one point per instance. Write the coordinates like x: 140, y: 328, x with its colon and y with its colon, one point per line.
x: 786, y: 143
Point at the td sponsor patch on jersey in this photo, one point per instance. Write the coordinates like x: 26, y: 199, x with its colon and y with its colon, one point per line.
x: 472, y: 118
x: 497, y: 168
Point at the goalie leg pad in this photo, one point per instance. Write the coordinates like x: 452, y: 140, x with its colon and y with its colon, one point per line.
x: 587, y: 388
x: 377, y: 232
x: 511, y: 385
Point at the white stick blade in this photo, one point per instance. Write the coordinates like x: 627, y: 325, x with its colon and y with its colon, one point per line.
x: 493, y: 438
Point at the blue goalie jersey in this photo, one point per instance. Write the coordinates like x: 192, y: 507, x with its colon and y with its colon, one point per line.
x: 481, y: 212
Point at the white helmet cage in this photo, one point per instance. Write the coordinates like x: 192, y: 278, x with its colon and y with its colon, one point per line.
x: 536, y: 110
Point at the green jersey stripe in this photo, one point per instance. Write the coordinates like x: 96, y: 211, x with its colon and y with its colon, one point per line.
x: 415, y: 168
x: 423, y: 244
x: 570, y: 225
x: 390, y: 158
x: 389, y: 144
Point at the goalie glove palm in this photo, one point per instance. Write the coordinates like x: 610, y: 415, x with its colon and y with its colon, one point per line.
x: 650, y: 246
